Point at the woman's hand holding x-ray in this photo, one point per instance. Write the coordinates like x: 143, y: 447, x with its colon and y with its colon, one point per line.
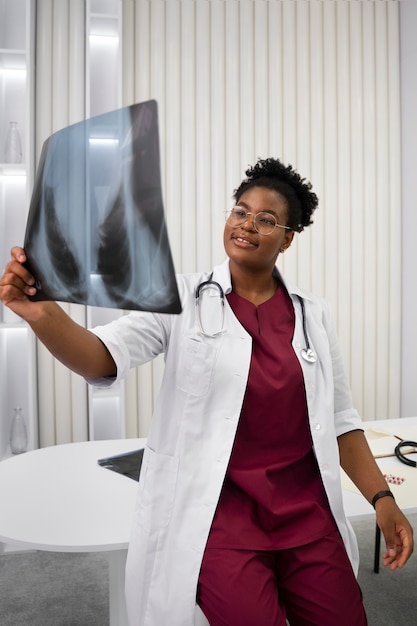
x: 72, y: 344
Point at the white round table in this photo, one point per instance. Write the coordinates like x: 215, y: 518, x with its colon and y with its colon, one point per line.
x: 59, y: 499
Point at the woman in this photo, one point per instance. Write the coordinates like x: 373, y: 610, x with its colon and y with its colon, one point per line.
x: 239, y: 504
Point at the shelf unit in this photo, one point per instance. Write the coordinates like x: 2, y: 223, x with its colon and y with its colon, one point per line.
x: 104, y: 94
x: 17, y: 343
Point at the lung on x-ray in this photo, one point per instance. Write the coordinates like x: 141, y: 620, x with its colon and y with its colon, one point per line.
x: 96, y: 231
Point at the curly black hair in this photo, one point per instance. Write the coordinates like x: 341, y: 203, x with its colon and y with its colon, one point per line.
x: 297, y: 191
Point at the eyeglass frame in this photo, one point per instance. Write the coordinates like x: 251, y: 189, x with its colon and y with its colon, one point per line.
x: 255, y: 216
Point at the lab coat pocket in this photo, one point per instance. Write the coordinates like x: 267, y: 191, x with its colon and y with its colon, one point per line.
x: 195, y: 366
x: 158, y: 483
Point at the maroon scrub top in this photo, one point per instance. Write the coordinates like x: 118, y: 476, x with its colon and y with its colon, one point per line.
x: 273, y: 496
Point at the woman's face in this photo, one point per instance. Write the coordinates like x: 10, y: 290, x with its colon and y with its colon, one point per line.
x: 248, y: 248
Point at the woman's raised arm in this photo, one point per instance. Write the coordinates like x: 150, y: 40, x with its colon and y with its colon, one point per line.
x: 72, y: 344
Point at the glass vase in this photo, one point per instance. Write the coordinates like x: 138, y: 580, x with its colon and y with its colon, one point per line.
x: 18, y: 433
x: 13, y: 150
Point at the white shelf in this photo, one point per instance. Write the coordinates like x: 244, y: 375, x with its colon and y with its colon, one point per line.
x: 103, y: 56
x: 17, y: 343
x: 12, y: 169
x: 17, y: 383
x: 12, y: 62
x: 13, y: 21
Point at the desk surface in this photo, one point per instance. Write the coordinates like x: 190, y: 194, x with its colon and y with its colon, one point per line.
x: 59, y: 499
x: 356, y: 507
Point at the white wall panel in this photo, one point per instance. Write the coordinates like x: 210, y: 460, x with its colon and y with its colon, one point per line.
x: 187, y: 123
x: 316, y: 84
x: 60, y: 98
x: 170, y: 118
x: 232, y: 99
x: 217, y: 146
x: 394, y: 210
x: 408, y: 25
x: 382, y: 145
x: 358, y: 234
x: 318, y: 124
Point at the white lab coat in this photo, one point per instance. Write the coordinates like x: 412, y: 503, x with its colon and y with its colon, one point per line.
x: 192, y: 432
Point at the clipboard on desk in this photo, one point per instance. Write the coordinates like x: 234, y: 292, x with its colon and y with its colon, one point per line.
x: 128, y: 464
x: 383, y: 443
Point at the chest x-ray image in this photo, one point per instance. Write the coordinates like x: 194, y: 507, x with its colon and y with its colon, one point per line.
x: 96, y: 231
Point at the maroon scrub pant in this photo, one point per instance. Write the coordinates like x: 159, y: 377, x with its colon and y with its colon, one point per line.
x: 312, y: 585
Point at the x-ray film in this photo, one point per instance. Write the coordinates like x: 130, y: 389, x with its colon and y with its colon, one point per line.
x: 96, y: 231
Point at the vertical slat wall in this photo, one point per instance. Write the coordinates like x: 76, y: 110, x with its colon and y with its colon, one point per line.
x: 60, y: 100
x: 315, y: 83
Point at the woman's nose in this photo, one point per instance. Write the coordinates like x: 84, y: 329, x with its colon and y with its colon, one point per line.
x: 249, y: 222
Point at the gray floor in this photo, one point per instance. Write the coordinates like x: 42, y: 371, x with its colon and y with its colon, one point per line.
x: 54, y: 589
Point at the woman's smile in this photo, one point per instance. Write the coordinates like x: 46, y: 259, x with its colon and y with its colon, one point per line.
x: 244, y: 242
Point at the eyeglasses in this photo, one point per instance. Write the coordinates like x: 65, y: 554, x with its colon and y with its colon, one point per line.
x: 264, y: 223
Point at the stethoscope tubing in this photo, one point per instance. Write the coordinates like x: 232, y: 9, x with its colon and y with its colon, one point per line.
x: 401, y: 456
x: 209, y: 283
x: 307, y: 353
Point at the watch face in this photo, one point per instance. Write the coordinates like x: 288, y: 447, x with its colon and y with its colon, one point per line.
x: 96, y: 231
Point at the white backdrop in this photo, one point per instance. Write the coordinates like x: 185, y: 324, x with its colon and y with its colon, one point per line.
x: 315, y: 83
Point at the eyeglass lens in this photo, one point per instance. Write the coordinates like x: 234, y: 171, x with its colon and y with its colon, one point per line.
x: 263, y: 222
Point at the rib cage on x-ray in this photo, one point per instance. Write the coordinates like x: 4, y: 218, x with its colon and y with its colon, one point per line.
x: 96, y: 231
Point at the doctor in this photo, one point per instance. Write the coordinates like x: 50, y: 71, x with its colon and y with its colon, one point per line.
x: 239, y: 507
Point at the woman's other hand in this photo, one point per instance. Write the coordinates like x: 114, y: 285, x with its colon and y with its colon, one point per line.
x: 397, y: 531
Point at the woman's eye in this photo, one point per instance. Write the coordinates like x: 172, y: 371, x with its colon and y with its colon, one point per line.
x: 240, y: 213
x: 268, y: 221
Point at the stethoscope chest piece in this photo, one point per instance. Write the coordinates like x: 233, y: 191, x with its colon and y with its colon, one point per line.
x: 309, y: 355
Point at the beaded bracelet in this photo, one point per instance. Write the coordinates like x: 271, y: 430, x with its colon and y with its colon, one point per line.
x: 381, y: 494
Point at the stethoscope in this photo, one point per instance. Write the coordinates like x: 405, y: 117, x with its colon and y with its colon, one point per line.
x: 401, y: 455
x: 209, y: 284
x: 307, y: 353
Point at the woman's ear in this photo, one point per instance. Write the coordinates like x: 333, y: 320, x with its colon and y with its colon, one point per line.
x: 289, y: 236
